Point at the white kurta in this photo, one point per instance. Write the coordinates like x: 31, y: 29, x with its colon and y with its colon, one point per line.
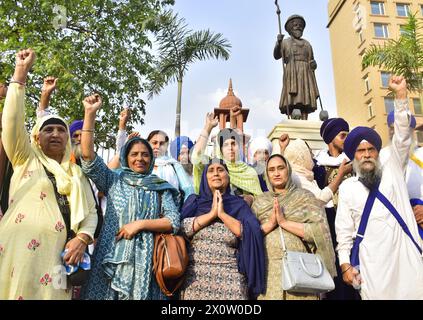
x: 390, y: 265
x: 414, y: 175
x: 324, y: 195
x: 324, y: 159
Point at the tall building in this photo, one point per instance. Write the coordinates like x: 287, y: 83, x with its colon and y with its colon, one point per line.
x: 362, y: 94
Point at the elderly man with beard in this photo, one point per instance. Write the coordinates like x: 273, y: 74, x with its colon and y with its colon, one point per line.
x: 378, y: 242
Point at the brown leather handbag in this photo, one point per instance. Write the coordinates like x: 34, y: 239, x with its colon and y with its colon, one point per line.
x: 170, y: 260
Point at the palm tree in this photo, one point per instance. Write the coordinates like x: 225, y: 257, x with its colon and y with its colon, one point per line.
x: 178, y: 48
x: 403, y: 56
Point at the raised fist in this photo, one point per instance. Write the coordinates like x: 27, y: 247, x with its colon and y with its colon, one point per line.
x: 283, y: 142
x: 133, y: 134
x: 398, y: 84
x: 92, y: 103
x: 25, y: 59
x: 124, y: 115
x: 235, y: 111
x: 280, y: 37
x: 49, y: 84
x: 211, y: 120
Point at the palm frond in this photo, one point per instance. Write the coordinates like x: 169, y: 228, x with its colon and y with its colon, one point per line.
x: 403, y: 56
x: 204, y: 45
x: 178, y: 46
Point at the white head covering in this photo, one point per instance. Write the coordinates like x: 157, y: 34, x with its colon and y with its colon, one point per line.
x: 259, y: 143
x: 299, y: 156
x: 69, y: 177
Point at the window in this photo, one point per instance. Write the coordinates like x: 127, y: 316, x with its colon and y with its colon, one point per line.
x: 389, y: 105
x: 367, y: 84
x: 403, y: 10
x: 421, y: 9
x: 378, y: 8
x: 370, y: 111
x: 419, y: 135
x: 381, y: 30
x: 417, y: 106
x: 384, y: 76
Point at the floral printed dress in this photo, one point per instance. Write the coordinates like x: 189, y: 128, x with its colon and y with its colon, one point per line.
x: 32, y: 230
x: 32, y: 237
x: 212, y: 272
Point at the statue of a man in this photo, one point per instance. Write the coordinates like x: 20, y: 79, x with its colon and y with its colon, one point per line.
x: 299, y: 89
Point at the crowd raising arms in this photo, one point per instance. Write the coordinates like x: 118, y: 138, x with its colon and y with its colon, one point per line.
x: 143, y: 203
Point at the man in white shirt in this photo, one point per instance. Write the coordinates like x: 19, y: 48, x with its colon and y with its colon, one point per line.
x: 414, y: 172
x: 386, y: 257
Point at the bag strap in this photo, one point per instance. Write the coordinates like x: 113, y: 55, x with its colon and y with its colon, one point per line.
x: 375, y: 193
x: 99, y: 212
x: 284, y: 249
x: 282, y: 239
x: 355, y: 261
x: 63, y: 204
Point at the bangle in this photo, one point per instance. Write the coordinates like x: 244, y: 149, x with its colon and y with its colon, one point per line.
x: 87, y: 130
x: 346, y: 269
x: 16, y: 81
x: 196, y: 220
x: 82, y: 239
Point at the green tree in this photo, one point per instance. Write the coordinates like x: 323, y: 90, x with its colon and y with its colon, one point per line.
x: 178, y: 47
x: 92, y: 46
x: 403, y: 56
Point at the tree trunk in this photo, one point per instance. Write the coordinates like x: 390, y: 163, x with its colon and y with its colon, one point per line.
x: 178, y: 110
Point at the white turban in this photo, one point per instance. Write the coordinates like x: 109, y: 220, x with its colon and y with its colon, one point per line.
x: 259, y: 143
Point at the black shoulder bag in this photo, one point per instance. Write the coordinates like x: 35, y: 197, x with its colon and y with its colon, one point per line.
x: 79, y: 277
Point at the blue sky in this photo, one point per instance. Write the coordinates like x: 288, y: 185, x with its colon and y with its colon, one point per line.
x: 251, y: 27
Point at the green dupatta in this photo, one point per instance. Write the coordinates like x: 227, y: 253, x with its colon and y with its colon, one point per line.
x: 300, y: 206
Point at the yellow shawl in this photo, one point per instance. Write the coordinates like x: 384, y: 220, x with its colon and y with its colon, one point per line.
x: 69, y: 177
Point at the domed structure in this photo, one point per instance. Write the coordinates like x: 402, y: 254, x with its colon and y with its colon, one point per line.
x: 237, y: 121
x: 231, y: 100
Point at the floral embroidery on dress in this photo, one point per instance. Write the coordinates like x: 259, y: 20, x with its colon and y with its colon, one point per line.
x: 43, y: 195
x: 20, y: 298
x: 46, y: 279
x: 59, y: 226
x: 1, y: 250
x: 19, y: 218
x: 11, y: 201
x: 33, y: 244
x: 12, y: 273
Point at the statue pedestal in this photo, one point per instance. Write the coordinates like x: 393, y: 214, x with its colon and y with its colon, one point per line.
x: 306, y: 130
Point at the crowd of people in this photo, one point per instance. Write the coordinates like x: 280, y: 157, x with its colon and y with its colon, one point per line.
x: 357, y: 206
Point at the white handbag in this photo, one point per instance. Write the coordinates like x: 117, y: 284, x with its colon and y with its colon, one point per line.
x: 304, y: 272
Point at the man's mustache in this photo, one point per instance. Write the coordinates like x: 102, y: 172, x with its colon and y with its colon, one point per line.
x: 368, y: 160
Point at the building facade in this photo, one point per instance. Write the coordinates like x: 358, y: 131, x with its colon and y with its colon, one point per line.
x: 362, y: 94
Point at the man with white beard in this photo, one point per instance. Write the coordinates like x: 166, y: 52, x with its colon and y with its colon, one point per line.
x: 379, y: 246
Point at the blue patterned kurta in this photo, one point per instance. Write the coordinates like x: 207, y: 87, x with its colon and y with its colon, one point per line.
x: 140, y: 282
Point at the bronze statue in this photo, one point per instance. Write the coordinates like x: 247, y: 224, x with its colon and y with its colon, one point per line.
x: 299, y: 89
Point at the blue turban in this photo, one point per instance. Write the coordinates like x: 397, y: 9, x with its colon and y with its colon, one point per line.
x: 359, y: 134
x: 391, y: 118
x: 176, y: 145
x: 331, y: 127
x: 76, y: 125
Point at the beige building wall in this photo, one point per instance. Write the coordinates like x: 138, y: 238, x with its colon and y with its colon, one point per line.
x: 352, y: 30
